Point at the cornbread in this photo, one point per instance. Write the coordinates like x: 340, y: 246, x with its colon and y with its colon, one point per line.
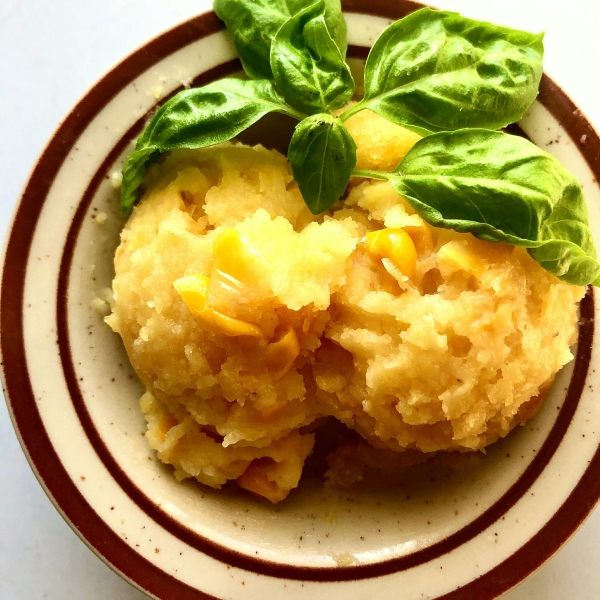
x: 249, y: 320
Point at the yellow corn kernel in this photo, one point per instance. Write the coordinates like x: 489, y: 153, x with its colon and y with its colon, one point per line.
x: 225, y: 325
x: 396, y: 245
x: 280, y: 356
x: 193, y: 289
x: 255, y: 479
x: 237, y: 265
x: 458, y: 255
x: 421, y: 237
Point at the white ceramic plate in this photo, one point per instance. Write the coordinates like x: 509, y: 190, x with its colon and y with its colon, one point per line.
x: 74, y: 399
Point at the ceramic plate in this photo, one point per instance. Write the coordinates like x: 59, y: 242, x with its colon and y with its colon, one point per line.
x: 471, y: 531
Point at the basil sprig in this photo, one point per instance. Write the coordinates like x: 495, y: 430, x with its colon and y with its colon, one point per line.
x: 500, y: 188
x: 254, y: 23
x: 434, y: 72
x: 431, y: 70
x: 323, y: 155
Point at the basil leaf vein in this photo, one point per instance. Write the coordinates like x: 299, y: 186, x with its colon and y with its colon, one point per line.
x: 436, y: 70
x: 197, y: 118
x: 322, y: 154
x: 254, y: 23
x: 308, y: 68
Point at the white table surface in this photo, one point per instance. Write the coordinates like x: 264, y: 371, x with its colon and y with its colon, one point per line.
x: 51, y: 52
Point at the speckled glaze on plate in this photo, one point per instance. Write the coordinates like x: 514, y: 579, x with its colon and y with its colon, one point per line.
x: 463, y: 531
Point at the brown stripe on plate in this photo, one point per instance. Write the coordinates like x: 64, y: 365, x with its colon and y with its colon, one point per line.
x: 30, y: 427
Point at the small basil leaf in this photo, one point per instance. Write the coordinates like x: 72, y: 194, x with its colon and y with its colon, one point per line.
x: 436, y: 70
x: 308, y: 68
x: 322, y: 154
x: 502, y: 188
x: 254, y: 23
x: 197, y: 118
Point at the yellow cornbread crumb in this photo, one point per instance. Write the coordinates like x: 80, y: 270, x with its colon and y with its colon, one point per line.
x: 116, y: 179
x: 345, y: 559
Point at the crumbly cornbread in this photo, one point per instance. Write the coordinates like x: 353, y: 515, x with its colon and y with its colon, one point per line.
x: 249, y: 320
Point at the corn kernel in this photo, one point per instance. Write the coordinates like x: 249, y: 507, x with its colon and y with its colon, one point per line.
x: 255, y: 479
x: 280, y: 356
x: 225, y: 325
x: 193, y: 289
x: 421, y: 237
x: 458, y: 255
x: 396, y: 245
x: 237, y: 265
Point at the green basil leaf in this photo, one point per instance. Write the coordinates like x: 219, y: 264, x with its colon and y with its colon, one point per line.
x: 501, y: 187
x: 254, y: 23
x: 436, y: 70
x: 308, y: 68
x: 322, y: 154
x: 197, y: 118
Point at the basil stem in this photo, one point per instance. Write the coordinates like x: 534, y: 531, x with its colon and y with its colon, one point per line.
x: 371, y: 174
